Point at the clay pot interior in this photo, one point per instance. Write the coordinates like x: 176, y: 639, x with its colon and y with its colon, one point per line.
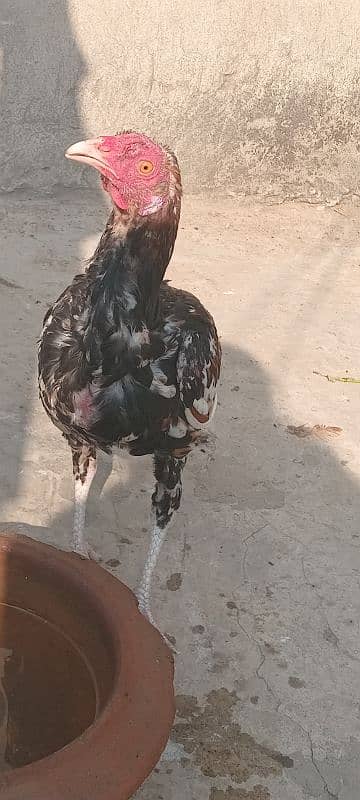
x: 78, y: 666
x: 56, y: 665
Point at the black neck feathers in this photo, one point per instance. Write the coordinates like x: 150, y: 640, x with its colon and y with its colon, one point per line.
x: 130, y: 261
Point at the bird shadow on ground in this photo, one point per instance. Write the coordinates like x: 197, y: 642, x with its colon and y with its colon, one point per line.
x: 253, y: 474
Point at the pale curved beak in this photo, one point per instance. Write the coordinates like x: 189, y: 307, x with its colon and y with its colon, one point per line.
x: 89, y: 152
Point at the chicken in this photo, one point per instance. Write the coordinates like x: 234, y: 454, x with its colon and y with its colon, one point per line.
x: 124, y: 358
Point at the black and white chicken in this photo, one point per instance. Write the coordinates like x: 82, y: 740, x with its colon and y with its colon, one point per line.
x: 124, y: 358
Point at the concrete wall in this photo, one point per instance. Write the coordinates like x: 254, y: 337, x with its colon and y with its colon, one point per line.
x: 255, y: 96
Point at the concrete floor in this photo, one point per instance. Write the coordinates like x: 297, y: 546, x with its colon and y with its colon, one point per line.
x: 259, y: 579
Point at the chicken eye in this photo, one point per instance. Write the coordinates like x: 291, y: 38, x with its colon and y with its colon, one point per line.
x: 145, y: 167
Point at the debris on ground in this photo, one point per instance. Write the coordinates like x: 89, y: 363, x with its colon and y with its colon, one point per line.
x: 336, y: 378
x: 318, y: 431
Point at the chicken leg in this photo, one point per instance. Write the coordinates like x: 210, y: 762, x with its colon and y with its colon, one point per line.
x: 84, y: 469
x: 165, y: 500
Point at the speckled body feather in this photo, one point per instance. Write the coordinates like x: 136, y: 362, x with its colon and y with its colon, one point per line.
x: 124, y: 358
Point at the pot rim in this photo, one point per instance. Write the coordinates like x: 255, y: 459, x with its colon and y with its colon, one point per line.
x: 111, y: 758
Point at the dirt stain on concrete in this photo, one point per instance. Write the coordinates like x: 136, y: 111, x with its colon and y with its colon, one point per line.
x: 174, y: 582
x: 9, y: 284
x: 198, y: 629
x: 113, y: 563
x: 218, y: 745
x: 256, y: 793
x: 296, y: 683
x: 330, y: 636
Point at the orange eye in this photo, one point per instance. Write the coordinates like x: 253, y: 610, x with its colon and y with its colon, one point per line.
x: 145, y: 167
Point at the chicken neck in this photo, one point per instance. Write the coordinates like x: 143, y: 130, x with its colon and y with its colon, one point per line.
x: 132, y: 257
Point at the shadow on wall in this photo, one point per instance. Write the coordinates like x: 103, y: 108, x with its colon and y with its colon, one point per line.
x: 39, y: 118
x: 40, y: 84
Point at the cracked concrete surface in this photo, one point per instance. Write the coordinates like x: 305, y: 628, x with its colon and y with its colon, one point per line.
x: 258, y: 583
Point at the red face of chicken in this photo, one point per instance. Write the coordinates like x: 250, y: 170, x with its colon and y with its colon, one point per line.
x: 133, y: 169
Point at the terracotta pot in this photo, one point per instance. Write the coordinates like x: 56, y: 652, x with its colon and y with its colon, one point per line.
x: 127, y: 658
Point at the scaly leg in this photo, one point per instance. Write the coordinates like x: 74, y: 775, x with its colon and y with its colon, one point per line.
x: 165, y: 500
x: 84, y: 468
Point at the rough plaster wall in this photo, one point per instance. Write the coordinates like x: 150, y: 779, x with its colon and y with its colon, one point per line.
x: 256, y: 97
